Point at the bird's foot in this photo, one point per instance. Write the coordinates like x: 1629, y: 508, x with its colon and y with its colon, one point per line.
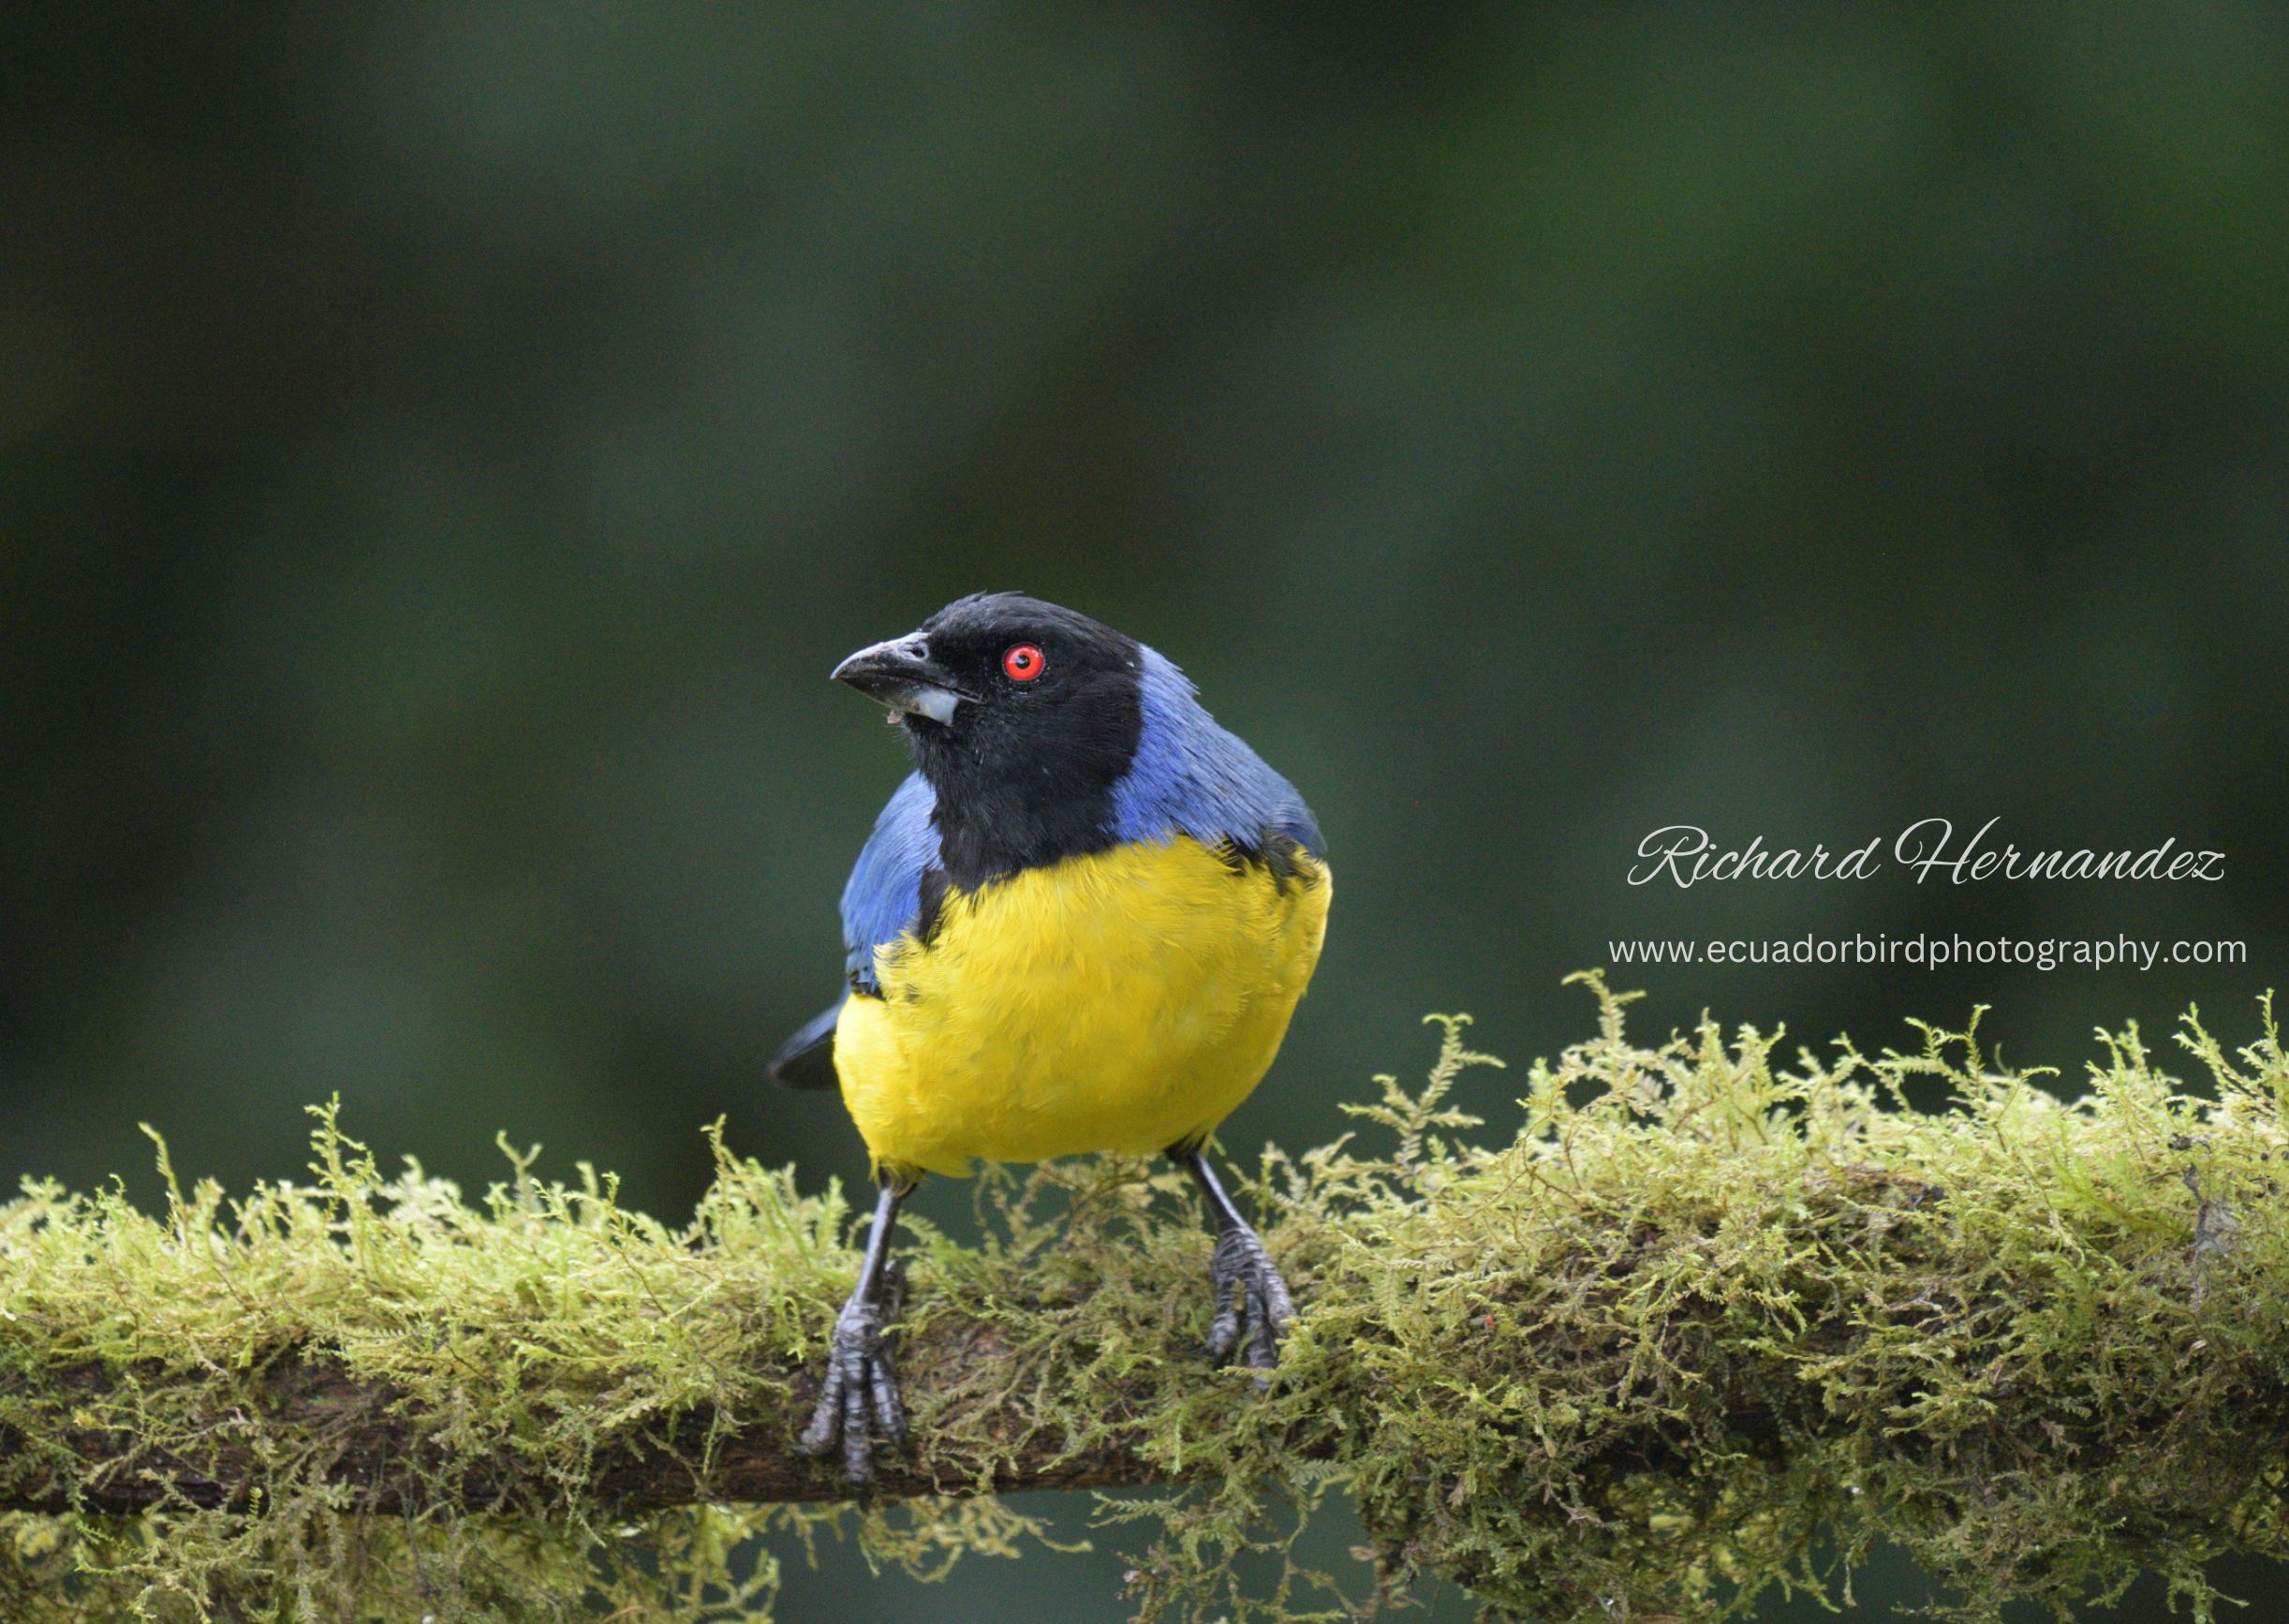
x: 1252, y: 1304
x: 859, y: 1400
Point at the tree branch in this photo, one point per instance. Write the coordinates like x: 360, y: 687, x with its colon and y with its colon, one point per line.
x: 369, y: 1433
x: 1668, y: 1340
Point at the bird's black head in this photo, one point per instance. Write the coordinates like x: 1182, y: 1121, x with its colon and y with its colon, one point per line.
x: 1023, y: 716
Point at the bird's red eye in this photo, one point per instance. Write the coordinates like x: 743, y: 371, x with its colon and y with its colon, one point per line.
x: 1023, y: 662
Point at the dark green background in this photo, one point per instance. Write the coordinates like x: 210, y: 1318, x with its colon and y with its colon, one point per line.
x: 444, y: 447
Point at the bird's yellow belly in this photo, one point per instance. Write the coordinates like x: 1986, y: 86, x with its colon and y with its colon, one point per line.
x: 1123, y: 1001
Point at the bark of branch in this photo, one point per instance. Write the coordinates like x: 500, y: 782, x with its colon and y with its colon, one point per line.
x: 370, y: 1431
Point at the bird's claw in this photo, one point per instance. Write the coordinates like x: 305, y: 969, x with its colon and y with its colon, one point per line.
x: 1252, y: 1304
x: 859, y: 1400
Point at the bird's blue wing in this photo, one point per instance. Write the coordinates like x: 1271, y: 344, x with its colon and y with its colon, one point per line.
x: 1190, y: 777
x: 883, y: 897
x: 882, y: 901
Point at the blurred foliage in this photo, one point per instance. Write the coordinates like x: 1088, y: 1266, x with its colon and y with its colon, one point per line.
x: 443, y: 446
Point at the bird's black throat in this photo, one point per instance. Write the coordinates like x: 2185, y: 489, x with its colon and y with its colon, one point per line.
x: 1023, y: 791
x: 1033, y: 718
x: 1024, y: 773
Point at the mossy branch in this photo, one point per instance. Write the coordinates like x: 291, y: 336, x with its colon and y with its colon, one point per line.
x: 1707, y: 1314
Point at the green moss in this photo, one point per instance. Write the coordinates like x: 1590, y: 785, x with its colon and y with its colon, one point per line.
x: 1711, y: 1310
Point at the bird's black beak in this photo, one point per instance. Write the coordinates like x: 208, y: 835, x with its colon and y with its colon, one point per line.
x: 900, y: 673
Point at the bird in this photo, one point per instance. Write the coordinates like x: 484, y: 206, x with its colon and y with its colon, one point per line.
x: 1082, y: 924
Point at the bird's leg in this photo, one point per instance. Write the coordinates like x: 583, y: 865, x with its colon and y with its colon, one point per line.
x: 1251, y: 1299
x: 860, y: 1396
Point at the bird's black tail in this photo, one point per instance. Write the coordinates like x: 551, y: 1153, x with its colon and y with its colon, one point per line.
x: 807, y: 1060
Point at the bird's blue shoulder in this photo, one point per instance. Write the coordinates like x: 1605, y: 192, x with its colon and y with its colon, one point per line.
x: 883, y: 896
x: 1190, y: 777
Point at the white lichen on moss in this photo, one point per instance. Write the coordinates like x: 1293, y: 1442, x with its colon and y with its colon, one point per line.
x: 1709, y: 1312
